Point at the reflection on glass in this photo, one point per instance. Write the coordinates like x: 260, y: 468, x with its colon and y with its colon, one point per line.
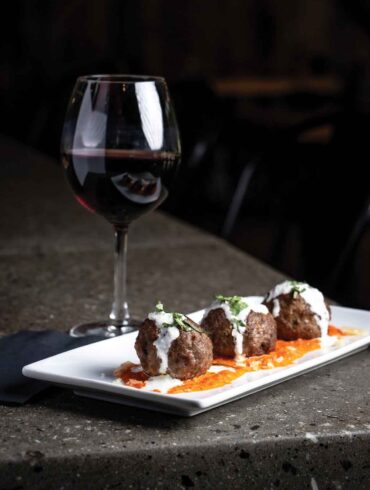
x: 150, y: 114
x: 141, y: 188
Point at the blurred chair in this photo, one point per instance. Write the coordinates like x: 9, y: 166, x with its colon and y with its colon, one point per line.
x: 346, y: 257
x: 315, y: 129
x: 201, y: 117
x: 318, y: 174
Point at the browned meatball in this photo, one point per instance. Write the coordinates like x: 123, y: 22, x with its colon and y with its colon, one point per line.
x: 295, y: 319
x: 190, y: 354
x: 219, y: 329
x: 146, y: 351
x: 259, y: 336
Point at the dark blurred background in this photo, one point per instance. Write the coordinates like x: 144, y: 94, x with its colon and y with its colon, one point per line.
x: 272, y: 100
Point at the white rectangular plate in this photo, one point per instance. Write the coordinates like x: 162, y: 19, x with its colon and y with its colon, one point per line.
x: 89, y: 370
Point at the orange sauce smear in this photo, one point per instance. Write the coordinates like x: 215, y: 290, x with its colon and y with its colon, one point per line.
x: 337, y: 332
x: 285, y: 353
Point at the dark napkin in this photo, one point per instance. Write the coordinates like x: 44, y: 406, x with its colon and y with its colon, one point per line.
x: 24, y: 347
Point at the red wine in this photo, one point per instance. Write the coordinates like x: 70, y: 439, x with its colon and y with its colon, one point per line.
x: 121, y: 185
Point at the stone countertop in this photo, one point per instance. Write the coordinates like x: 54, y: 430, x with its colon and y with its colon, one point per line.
x: 56, y: 269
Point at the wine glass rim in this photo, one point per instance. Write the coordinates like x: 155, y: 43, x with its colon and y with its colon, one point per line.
x: 119, y: 78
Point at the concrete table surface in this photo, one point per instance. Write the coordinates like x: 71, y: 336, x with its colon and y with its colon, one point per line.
x: 56, y: 270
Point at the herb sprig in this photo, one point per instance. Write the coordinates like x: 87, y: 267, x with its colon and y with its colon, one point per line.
x: 159, y: 306
x: 180, y: 321
x: 297, y: 288
x: 236, y: 305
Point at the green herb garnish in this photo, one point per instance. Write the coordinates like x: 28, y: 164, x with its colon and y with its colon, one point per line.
x: 184, y: 323
x: 159, y: 307
x: 180, y: 321
x: 297, y: 287
x: 236, y: 305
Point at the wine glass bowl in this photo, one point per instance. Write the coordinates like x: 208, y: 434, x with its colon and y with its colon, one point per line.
x: 120, y: 151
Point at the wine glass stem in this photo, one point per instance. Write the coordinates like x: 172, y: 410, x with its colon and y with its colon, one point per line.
x: 120, y: 312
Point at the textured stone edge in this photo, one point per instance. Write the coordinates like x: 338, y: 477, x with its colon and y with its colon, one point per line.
x: 328, y: 462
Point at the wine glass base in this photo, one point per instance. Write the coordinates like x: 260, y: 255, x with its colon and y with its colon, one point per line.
x: 105, y: 328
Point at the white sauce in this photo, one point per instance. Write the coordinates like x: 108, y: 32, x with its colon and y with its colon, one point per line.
x: 276, y: 307
x: 163, y: 343
x: 137, y: 369
x: 161, y: 317
x: 328, y: 341
x: 312, y: 296
x: 218, y: 369
x: 282, y: 288
x: 238, y: 333
x: 163, y: 383
x: 166, y: 336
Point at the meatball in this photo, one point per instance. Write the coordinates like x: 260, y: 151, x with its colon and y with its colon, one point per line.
x: 189, y: 352
x: 300, y: 313
x: 259, y: 336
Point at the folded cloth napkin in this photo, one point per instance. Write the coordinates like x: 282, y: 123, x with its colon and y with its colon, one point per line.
x: 24, y: 347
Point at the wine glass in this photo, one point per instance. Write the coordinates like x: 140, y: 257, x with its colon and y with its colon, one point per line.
x: 120, y: 150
